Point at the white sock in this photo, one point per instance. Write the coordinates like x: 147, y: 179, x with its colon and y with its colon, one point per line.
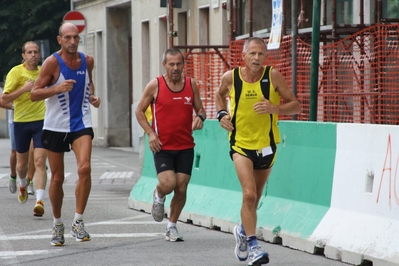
x: 23, y: 182
x: 78, y: 217
x: 39, y: 194
x: 57, y: 221
x: 170, y: 224
x: 159, y: 199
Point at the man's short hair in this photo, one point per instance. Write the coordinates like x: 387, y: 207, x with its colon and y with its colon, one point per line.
x: 172, y: 51
x: 29, y: 42
x: 253, y: 39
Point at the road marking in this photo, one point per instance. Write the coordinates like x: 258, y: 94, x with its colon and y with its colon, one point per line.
x: 112, y: 175
x: 97, y: 163
x: 15, y: 253
x: 2, y: 175
x: 122, y: 235
x: 116, y: 175
x: 125, y: 175
x: 142, y: 216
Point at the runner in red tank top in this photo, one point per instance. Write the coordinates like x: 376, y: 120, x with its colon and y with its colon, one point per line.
x: 172, y: 98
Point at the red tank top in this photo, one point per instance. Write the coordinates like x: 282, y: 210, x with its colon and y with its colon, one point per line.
x: 173, y: 116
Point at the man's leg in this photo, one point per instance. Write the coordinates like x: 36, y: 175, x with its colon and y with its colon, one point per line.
x: 13, y: 163
x: 12, y: 185
x: 252, y: 183
x: 82, y: 147
x: 22, y: 169
x: 176, y: 207
x: 179, y: 196
x: 244, y: 169
x: 40, y: 156
x: 31, y: 170
x: 56, y: 194
x: 23, y: 137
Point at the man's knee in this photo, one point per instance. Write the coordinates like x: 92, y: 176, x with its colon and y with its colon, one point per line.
x: 84, y: 169
x: 250, y: 198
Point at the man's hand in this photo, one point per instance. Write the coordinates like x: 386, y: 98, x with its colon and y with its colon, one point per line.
x: 154, y: 143
x: 226, y: 123
x: 265, y: 107
x: 67, y: 85
x: 95, y: 100
x: 28, y: 85
x: 197, y: 123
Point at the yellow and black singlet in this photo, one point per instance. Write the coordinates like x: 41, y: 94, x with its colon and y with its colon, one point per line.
x: 253, y: 131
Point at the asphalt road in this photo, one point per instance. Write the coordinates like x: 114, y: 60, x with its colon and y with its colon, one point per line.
x: 120, y: 236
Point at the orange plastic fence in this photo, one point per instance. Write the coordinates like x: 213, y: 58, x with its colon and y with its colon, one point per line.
x: 207, y: 68
x: 358, y: 75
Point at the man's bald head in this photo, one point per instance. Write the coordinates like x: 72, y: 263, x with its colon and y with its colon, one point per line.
x: 67, y: 26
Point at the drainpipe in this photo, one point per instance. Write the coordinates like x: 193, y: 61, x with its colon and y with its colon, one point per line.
x: 234, y: 11
x: 314, y: 81
x: 250, y: 19
x: 170, y: 5
x: 334, y: 19
x: 231, y: 31
x: 294, y: 34
x: 361, y: 13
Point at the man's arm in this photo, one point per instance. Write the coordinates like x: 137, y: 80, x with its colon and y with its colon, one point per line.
x: 10, y: 92
x: 93, y: 99
x: 221, y: 95
x: 148, y: 96
x: 198, y: 121
x: 144, y: 103
x: 291, y: 105
x: 46, y: 77
x: 6, y: 105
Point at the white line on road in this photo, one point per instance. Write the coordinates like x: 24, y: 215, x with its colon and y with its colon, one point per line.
x: 115, y: 221
x: 112, y: 175
x: 2, y: 175
x: 122, y: 235
x: 14, y: 253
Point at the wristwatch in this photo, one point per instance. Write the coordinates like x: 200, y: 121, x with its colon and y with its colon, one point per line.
x: 202, y: 117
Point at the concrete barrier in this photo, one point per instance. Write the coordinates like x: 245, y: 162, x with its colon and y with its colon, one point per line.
x: 321, y: 196
x: 363, y: 221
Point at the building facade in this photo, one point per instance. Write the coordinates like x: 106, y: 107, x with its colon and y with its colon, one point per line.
x: 128, y: 37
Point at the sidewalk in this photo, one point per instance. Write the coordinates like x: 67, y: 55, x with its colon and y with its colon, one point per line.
x: 113, y: 163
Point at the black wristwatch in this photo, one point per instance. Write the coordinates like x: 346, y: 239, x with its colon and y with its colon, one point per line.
x: 202, y: 117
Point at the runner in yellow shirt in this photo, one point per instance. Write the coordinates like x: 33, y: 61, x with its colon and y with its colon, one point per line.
x: 28, y: 123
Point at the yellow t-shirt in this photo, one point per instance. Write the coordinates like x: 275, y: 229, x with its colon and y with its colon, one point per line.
x: 148, y: 114
x: 253, y: 131
x: 24, y: 109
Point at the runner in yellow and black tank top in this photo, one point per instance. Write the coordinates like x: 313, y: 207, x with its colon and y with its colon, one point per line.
x: 251, y: 131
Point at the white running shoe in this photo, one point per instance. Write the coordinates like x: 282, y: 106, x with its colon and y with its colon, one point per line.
x: 173, y: 235
x: 241, y: 249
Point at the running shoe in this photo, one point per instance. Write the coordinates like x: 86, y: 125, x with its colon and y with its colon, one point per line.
x: 12, y: 184
x: 22, y: 194
x: 58, y: 235
x: 157, y: 210
x: 78, y: 231
x: 31, y: 190
x: 257, y: 256
x: 38, y: 210
x: 241, y: 249
x: 173, y: 235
